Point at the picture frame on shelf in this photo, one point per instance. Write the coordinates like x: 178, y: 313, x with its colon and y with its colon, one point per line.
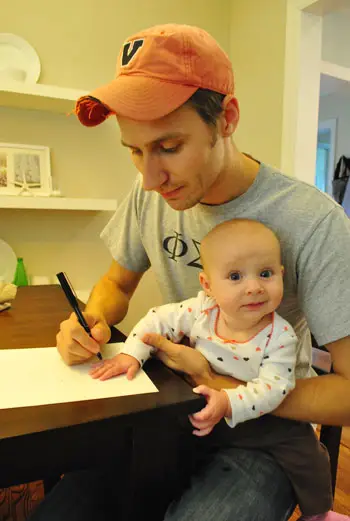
x: 25, y: 170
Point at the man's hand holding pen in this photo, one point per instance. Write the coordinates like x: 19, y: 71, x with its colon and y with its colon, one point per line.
x: 75, y: 345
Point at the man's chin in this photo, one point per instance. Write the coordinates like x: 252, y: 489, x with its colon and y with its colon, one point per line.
x: 181, y: 204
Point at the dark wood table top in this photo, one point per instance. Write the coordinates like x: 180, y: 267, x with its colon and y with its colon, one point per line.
x: 33, y: 321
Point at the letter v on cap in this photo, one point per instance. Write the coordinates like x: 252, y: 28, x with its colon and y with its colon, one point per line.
x: 129, y: 51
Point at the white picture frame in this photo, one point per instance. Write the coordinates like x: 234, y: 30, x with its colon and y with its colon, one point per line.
x: 25, y: 170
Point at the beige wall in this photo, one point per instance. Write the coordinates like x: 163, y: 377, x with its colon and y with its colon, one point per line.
x: 257, y: 49
x: 78, y: 42
x: 335, y: 38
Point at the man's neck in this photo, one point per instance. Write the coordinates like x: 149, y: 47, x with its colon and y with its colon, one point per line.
x: 235, y: 180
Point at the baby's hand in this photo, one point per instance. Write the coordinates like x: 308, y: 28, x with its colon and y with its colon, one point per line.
x: 119, y: 364
x: 218, y: 406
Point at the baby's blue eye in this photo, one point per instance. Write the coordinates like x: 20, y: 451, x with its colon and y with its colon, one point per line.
x: 234, y: 276
x: 266, y: 274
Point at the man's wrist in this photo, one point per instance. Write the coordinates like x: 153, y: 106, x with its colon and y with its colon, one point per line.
x: 95, y: 311
x: 204, y: 378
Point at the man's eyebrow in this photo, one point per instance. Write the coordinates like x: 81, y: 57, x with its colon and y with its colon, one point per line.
x: 165, y: 137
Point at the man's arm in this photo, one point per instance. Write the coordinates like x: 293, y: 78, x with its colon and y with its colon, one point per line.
x: 111, y: 295
x: 323, y: 400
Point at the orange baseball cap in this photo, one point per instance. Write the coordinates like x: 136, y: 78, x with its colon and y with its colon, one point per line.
x: 158, y: 70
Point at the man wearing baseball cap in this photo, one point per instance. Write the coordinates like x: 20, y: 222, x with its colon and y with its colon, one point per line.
x: 158, y: 70
x: 173, y: 98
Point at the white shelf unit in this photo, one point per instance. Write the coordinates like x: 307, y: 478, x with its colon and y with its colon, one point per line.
x: 39, y: 97
x: 53, y: 99
x: 56, y: 203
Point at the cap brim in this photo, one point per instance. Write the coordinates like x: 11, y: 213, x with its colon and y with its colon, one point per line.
x: 134, y: 97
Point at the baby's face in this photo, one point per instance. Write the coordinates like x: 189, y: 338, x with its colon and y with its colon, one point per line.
x: 248, y: 283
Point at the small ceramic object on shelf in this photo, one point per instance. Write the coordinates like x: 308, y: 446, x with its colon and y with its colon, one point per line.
x: 7, y: 294
x: 40, y: 280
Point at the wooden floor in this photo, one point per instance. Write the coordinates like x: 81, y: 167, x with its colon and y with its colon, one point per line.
x: 17, y: 502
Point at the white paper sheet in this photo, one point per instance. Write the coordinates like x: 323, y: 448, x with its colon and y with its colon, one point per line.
x: 39, y: 376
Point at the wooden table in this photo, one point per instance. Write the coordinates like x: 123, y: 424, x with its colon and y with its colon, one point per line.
x: 43, y: 441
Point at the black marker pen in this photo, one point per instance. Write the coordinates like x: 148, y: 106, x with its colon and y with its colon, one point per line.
x: 68, y: 291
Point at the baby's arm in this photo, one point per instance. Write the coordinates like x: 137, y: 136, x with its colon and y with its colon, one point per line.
x: 275, y: 380
x: 173, y: 321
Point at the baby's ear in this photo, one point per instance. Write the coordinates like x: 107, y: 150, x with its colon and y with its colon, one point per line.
x: 205, y: 283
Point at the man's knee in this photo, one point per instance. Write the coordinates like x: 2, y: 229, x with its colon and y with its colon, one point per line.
x: 236, y: 484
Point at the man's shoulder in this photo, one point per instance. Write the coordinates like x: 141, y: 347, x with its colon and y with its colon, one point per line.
x: 293, y: 190
x: 290, y: 205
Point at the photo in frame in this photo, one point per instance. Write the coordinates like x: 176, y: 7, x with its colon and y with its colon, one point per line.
x: 25, y: 170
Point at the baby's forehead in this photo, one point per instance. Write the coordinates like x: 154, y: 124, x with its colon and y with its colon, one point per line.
x: 255, y: 256
x: 241, y: 242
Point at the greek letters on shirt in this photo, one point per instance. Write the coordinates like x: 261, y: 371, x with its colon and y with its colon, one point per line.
x: 178, y: 249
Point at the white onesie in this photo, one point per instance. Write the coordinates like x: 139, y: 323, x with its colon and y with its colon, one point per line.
x: 266, y: 361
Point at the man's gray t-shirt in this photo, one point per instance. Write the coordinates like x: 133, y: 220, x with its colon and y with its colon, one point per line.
x: 315, y: 238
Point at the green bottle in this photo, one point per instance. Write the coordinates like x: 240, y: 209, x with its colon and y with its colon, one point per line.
x: 21, y: 278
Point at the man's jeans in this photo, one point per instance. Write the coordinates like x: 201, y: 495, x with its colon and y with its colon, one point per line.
x: 229, y: 485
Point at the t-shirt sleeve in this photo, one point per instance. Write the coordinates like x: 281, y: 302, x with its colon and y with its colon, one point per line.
x: 323, y: 270
x: 122, y: 233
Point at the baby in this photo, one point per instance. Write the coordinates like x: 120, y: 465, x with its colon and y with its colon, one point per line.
x: 233, y: 323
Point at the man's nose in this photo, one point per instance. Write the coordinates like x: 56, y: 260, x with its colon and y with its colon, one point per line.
x: 153, y: 174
